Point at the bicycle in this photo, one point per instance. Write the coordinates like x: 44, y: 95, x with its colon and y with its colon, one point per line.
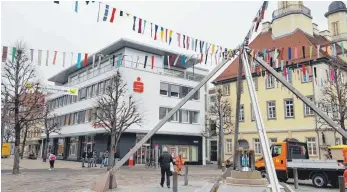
x: 150, y: 163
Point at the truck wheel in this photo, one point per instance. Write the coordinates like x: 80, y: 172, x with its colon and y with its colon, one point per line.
x: 263, y: 173
x: 319, y: 180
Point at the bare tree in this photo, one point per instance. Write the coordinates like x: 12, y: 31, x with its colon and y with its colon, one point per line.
x: 334, y: 96
x: 116, y: 112
x: 17, y: 74
x: 51, y: 125
x: 221, y: 108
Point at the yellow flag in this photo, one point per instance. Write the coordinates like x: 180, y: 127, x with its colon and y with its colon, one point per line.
x: 72, y: 91
x: 162, y: 33
x: 213, y: 49
x: 28, y: 85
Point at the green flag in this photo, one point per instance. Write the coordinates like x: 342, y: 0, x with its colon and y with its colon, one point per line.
x: 14, y: 51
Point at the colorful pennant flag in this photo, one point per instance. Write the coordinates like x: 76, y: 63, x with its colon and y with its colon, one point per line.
x: 144, y: 65
x: 79, y: 60
x: 170, y: 37
x: 113, y: 14
x: 106, y: 13
x: 179, y: 39
x: 54, y: 57
x: 134, y: 23
x: 4, y: 53
x: 144, y: 26
x: 14, y: 52
x: 155, y: 31
x: 85, y: 59
x: 161, y: 33
x: 140, y: 26
x: 310, y: 52
x: 64, y: 54
x: 76, y: 6
x: 183, y: 59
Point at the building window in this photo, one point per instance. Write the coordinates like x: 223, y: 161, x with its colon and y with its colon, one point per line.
x: 175, y: 117
x: 289, y: 76
x: 184, y: 91
x: 226, y: 89
x: 307, y: 110
x: 162, y: 112
x: 73, y: 146
x: 101, y: 87
x: 305, y: 77
x: 255, y: 82
x: 257, y: 149
x: 174, y: 91
x: 289, y: 108
x: 252, y: 113
x: 242, y: 113
x: 272, y: 140
x: 71, y: 119
x: 271, y: 110
x: 312, y: 146
x: 270, y: 82
x: 164, y: 87
x: 87, y: 116
x: 228, y: 146
x: 89, y: 92
x: 81, y: 116
x: 213, y: 99
x: 75, y: 120
x: 67, y: 119
x: 195, y: 116
x: 185, y: 116
x: 97, y: 89
x: 335, y: 27
x: 83, y: 93
x: 196, y: 95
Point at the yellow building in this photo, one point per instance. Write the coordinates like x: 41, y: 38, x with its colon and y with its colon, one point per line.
x: 284, y: 115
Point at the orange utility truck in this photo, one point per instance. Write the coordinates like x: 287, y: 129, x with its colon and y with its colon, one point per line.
x: 288, y: 155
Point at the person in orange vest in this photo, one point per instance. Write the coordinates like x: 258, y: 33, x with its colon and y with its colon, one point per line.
x: 179, y: 163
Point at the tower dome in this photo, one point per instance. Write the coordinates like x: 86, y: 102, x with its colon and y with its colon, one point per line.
x: 336, y: 6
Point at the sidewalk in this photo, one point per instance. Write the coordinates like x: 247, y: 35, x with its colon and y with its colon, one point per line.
x: 7, y: 164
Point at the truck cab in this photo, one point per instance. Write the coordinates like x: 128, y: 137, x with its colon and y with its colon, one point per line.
x: 282, y: 152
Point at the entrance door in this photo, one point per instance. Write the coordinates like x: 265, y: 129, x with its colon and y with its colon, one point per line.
x: 143, y: 154
x: 89, y: 146
x: 213, y: 150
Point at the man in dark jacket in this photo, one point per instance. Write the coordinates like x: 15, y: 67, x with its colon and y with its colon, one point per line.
x: 84, y: 156
x: 164, y: 160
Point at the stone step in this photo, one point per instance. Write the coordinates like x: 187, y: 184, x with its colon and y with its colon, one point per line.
x: 246, y: 174
x: 250, y: 182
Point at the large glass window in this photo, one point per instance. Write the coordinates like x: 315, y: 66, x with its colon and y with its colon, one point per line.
x: 195, y: 117
x: 270, y: 82
x: 175, y: 117
x: 184, y: 91
x: 276, y: 150
x: 164, y: 89
x: 228, y: 146
x: 89, y: 92
x: 60, y: 147
x: 73, y: 146
x: 307, y: 110
x: 185, y: 116
x: 174, y: 91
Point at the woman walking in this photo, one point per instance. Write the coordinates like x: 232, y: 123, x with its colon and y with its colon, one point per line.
x: 51, y: 161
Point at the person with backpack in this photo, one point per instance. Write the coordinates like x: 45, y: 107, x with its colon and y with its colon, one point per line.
x: 89, y: 157
x: 51, y: 161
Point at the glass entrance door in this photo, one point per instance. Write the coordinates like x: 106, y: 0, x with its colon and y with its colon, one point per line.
x: 143, y: 154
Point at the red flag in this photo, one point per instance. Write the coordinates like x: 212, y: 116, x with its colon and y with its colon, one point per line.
x: 85, y: 59
x: 152, y: 61
x: 303, y: 69
x: 55, y: 57
x: 202, y: 56
x: 113, y: 15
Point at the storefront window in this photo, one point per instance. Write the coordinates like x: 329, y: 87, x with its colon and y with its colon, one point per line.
x: 194, y: 153
x: 73, y: 146
x: 60, y: 147
x: 189, y: 152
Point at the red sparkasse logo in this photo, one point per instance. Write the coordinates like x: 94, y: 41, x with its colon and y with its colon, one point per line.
x: 138, y: 86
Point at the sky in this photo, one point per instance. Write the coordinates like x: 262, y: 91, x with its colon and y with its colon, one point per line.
x: 44, y: 25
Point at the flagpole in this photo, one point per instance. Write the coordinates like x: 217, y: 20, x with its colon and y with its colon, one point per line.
x: 99, y: 12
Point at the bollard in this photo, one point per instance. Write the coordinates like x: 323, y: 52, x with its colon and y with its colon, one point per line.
x: 223, y: 169
x: 342, y: 184
x: 174, y: 181
x: 185, y: 175
x: 296, y: 180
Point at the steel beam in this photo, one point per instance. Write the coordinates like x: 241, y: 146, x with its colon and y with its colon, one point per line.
x: 303, y: 98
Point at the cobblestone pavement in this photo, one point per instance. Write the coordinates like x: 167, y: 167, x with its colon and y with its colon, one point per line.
x: 70, y: 177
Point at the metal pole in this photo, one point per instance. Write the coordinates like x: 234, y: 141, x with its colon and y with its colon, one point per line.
x: 174, y: 181
x: 302, y: 97
x: 269, y: 165
x: 221, y: 129
x: 186, y: 175
x: 342, y: 184
x: 156, y: 152
x: 296, y: 180
x: 168, y: 116
x: 238, y: 100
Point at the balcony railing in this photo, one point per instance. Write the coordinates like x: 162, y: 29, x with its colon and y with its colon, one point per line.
x: 339, y: 37
x: 290, y: 9
x: 93, y: 72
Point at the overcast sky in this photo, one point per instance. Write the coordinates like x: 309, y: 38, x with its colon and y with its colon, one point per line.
x: 49, y: 26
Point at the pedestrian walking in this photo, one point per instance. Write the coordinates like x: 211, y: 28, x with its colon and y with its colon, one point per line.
x: 106, y: 158
x: 89, y: 157
x: 179, y: 163
x: 51, y: 161
x: 165, y: 160
x: 94, y: 158
x: 84, y: 157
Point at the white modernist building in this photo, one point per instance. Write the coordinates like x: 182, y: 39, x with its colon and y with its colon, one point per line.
x: 163, y: 85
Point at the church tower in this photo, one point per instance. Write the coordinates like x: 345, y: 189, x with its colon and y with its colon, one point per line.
x: 290, y: 16
x: 337, y: 24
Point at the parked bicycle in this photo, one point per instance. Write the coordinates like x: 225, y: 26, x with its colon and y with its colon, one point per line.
x: 150, y: 163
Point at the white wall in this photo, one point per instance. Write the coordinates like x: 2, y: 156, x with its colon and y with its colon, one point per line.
x: 150, y: 101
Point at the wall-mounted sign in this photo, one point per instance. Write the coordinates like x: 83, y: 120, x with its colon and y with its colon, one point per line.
x: 195, y: 141
x: 138, y: 86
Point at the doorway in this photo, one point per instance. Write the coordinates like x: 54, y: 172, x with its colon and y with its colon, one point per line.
x: 213, y: 150
x: 143, y: 154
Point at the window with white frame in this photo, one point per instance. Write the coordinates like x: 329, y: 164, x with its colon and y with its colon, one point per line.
x: 228, y: 146
x: 226, y: 89
x: 271, y: 110
x: 162, y: 112
x: 270, y: 82
x: 257, y: 149
x: 273, y: 140
x: 305, y: 77
x: 175, y: 117
x: 307, y: 110
x: 289, y: 108
x: 252, y: 113
x: 195, y: 116
x: 242, y: 113
x: 312, y: 145
x: 185, y: 116
x: 174, y: 90
x: 255, y: 82
x: 164, y: 89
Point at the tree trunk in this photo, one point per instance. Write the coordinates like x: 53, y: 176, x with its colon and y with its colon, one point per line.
x: 15, y: 169
x: 111, y: 156
x: 45, y: 150
x: 24, y: 140
x: 344, y: 140
x: 219, y: 148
